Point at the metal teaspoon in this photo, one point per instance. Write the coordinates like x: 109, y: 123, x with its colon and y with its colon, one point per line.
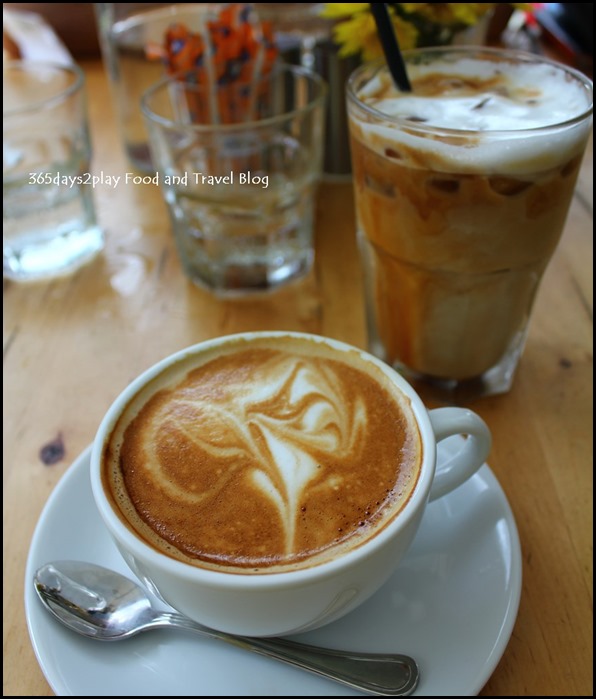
x: 102, y: 604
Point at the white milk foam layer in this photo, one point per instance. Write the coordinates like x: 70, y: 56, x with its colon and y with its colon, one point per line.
x: 487, y: 97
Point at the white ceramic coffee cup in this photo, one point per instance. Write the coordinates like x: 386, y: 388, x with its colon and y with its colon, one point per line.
x: 303, y: 599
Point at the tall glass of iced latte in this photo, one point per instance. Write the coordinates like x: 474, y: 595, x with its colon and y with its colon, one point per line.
x: 462, y: 189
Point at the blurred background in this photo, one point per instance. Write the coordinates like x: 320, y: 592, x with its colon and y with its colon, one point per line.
x: 564, y: 28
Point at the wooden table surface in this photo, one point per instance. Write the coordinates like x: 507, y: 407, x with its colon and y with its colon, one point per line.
x: 71, y: 345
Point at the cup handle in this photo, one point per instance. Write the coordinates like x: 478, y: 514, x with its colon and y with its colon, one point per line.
x: 447, y: 422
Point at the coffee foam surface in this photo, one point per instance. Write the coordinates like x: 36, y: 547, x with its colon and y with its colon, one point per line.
x: 483, y: 97
x: 264, y: 457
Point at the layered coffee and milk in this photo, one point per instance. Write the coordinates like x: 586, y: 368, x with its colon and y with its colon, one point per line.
x: 462, y: 190
x: 263, y: 456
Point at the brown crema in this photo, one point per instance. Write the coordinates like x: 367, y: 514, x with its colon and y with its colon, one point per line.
x: 263, y: 456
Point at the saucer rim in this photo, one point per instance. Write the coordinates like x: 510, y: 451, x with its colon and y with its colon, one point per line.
x: 483, y: 674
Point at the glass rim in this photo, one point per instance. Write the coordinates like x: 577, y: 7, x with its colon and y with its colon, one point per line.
x: 523, y: 56
x: 47, y: 102
x: 169, y: 123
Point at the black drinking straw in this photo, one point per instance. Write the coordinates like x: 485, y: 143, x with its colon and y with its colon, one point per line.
x: 393, y: 56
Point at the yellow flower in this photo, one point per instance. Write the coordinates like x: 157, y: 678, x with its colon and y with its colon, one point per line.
x: 334, y: 10
x: 407, y: 34
x: 358, y: 34
x: 415, y: 23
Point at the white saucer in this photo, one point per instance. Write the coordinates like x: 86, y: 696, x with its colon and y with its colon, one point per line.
x: 451, y: 605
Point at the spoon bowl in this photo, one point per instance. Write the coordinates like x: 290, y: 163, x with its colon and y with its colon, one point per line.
x: 107, y: 606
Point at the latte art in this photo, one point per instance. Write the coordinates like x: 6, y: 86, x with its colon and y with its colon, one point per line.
x: 279, y: 420
x: 264, y: 458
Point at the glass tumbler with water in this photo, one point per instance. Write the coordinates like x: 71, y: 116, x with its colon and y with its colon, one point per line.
x: 238, y: 166
x: 49, y: 219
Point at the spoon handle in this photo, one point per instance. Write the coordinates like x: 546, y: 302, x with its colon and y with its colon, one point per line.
x: 384, y: 674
